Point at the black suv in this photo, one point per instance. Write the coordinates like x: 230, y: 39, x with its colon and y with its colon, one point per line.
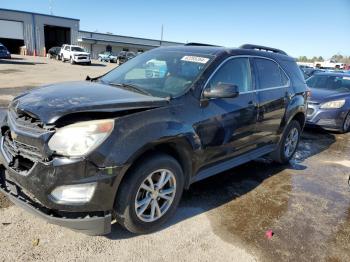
x: 124, y: 146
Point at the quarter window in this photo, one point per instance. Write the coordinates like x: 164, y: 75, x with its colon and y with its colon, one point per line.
x: 270, y: 74
x: 235, y: 71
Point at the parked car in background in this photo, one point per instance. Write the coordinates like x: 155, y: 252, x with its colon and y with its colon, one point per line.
x: 329, y: 104
x: 331, y: 64
x: 124, y: 56
x: 125, y: 145
x: 75, y: 54
x: 308, y: 72
x: 4, y: 53
x: 108, y: 57
x: 54, y: 52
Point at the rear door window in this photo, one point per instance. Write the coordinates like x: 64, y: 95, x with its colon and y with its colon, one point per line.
x: 270, y: 74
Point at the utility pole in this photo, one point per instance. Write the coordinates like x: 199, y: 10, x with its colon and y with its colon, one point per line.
x: 161, y: 35
x: 50, y: 7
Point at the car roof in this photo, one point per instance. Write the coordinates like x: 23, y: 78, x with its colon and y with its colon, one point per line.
x: 217, y: 50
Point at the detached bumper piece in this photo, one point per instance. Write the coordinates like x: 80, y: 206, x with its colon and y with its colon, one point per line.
x: 89, y: 224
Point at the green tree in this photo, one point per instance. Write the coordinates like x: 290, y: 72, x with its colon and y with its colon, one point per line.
x: 302, y: 59
x: 320, y: 59
x: 313, y: 59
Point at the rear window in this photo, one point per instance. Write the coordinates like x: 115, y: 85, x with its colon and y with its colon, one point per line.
x: 270, y: 74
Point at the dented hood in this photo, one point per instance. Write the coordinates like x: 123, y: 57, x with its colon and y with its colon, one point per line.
x: 50, y: 103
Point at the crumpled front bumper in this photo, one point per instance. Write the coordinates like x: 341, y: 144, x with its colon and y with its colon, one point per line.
x: 32, y: 189
x: 90, y: 225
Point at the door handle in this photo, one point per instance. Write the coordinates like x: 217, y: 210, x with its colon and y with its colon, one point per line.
x: 251, y: 103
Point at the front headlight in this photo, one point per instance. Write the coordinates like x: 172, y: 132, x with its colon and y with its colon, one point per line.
x: 80, y: 139
x: 333, y: 104
x: 74, y: 194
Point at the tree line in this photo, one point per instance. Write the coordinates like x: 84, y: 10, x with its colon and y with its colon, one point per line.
x: 338, y: 58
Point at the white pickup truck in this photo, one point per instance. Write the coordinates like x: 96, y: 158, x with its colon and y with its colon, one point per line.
x: 75, y: 54
x: 329, y: 64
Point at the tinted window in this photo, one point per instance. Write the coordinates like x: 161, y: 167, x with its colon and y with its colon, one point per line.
x: 77, y: 49
x: 269, y: 74
x: 293, y: 71
x: 235, y: 71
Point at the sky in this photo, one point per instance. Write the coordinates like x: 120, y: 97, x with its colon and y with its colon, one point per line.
x: 299, y: 27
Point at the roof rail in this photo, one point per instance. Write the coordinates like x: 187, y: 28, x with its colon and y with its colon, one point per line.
x: 263, y: 48
x: 199, y: 44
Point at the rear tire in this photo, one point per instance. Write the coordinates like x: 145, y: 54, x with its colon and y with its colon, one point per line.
x: 288, y: 143
x: 161, y: 201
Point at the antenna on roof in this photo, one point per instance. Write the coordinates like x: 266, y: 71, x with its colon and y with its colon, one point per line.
x: 50, y: 7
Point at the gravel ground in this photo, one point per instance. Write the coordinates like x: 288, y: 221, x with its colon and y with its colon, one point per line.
x: 23, y: 73
x: 306, y: 204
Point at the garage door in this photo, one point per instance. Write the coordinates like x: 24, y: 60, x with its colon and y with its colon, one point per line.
x: 11, y: 29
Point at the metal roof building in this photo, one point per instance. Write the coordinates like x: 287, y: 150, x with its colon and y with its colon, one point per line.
x: 39, y: 32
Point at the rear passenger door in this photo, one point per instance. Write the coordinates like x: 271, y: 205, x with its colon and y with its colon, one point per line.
x: 272, y: 85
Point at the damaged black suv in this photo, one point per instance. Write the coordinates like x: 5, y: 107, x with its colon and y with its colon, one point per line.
x: 125, y: 145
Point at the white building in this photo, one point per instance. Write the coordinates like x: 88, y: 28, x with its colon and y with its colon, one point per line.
x: 39, y: 32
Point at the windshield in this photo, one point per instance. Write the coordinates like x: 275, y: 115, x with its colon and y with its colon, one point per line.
x: 159, y: 72
x: 77, y: 49
x: 2, y: 48
x: 336, y: 83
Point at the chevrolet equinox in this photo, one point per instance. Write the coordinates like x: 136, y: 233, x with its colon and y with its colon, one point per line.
x: 123, y: 147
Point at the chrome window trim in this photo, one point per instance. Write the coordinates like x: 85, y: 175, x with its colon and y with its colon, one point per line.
x: 250, y: 91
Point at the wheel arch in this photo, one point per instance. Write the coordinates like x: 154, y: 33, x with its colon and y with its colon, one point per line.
x: 179, y: 148
x: 300, y: 117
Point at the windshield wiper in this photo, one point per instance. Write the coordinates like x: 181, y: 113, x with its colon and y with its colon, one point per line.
x: 131, y: 86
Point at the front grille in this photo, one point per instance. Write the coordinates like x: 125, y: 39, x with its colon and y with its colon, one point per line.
x: 82, y: 57
x: 25, y: 121
x: 14, y: 149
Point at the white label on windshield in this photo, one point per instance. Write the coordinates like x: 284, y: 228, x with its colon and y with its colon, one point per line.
x: 195, y: 59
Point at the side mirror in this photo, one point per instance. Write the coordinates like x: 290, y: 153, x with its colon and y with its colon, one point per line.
x: 222, y: 90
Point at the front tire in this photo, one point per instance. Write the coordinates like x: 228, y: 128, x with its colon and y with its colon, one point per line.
x: 288, y: 143
x: 72, y: 61
x: 346, y: 124
x: 150, y: 194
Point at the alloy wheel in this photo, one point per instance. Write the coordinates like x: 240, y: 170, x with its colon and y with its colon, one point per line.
x: 291, y: 142
x: 155, y: 195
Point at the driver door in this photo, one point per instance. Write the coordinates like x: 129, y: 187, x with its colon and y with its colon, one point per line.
x: 228, y: 127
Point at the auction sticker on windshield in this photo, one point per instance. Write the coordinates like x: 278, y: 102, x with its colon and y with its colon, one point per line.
x: 195, y: 59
